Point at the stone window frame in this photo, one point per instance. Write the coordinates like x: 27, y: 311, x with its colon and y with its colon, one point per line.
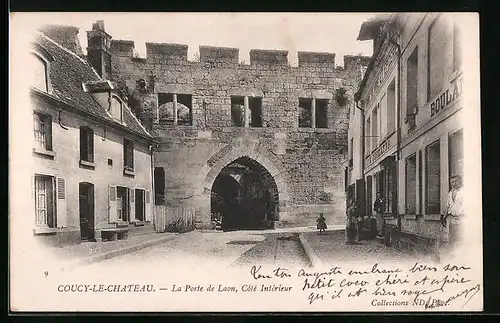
x: 87, y: 149
x: 49, y: 202
x: 247, y: 111
x: 313, y: 112
x: 128, y: 157
x: 42, y: 127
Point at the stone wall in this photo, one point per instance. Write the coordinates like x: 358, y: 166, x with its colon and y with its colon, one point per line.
x: 307, y: 162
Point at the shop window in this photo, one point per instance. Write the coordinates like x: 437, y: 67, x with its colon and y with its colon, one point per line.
x: 86, y: 144
x: 456, y: 153
x: 42, y: 127
x: 44, y: 202
x: 411, y: 185
x: 432, y: 178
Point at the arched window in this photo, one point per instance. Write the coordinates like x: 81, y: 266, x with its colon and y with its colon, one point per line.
x: 40, y: 73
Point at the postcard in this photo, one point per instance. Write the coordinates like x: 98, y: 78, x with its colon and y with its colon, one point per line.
x: 245, y: 162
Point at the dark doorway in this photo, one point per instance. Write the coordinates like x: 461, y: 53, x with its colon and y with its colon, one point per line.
x: 244, y: 196
x: 139, y: 204
x: 86, y: 191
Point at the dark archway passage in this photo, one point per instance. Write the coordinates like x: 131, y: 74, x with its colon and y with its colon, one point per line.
x: 245, y: 195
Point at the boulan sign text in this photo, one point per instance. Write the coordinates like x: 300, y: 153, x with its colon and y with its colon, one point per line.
x: 448, y: 96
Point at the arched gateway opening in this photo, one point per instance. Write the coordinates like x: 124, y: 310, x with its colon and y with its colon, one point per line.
x: 245, y: 196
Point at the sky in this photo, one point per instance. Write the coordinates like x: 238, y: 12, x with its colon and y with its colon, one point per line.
x: 321, y: 32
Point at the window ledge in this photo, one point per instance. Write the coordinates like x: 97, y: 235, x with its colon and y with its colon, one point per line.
x: 121, y: 224
x: 410, y: 216
x: 42, y: 230
x: 44, y: 152
x: 87, y: 164
x: 128, y: 172
x: 432, y: 217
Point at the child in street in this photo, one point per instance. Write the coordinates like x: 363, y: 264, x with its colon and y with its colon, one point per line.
x: 321, y: 224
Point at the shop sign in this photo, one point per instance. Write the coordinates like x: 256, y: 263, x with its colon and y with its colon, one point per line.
x: 382, y: 149
x: 446, y: 97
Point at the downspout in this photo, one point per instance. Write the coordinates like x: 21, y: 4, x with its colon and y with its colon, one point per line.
x: 398, y: 125
x: 152, y: 195
x: 362, y: 120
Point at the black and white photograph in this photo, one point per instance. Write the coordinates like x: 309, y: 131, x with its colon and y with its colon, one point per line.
x: 245, y: 162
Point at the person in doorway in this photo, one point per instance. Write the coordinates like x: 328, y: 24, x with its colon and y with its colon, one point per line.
x: 321, y: 224
x: 353, y: 222
x: 379, y: 207
x: 454, y: 209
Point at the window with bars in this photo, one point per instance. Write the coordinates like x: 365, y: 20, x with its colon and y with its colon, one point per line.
x: 86, y: 144
x: 42, y: 127
x: 44, y: 202
x: 128, y: 155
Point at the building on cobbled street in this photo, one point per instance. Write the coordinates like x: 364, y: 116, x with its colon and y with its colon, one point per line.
x: 252, y: 145
x: 406, y: 125
x: 261, y: 143
x: 92, y: 158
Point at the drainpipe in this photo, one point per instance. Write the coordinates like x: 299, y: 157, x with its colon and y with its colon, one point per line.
x: 398, y: 125
x: 363, y: 138
x: 152, y: 195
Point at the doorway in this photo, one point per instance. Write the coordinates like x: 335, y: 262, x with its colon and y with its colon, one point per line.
x: 86, y: 193
x: 139, y: 204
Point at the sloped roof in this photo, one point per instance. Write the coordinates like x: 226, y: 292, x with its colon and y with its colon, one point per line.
x: 370, y: 27
x: 68, y: 72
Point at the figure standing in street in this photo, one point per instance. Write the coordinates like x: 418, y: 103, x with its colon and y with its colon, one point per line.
x: 379, y: 207
x: 353, y: 222
x: 454, y: 210
x: 321, y: 224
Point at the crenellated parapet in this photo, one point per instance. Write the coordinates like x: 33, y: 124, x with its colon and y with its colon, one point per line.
x: 219, y: 54
x: 268, y: 57
x: 166, y: 51
x: 316, y: 58
x: 351, y: 61
x: 122, y: 48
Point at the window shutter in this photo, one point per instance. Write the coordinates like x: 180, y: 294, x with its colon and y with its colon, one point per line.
x: 148, y: 206
x: 132, y: 204
x: 48, y: 134
x: 90, y: 146
x: 83, y: 144
x: 61, y: 203
x: 112, y: 207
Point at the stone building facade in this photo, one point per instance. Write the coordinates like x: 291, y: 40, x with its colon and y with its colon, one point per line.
x: 285, y: 127
x: 413, y: 141
x: 92, y: 161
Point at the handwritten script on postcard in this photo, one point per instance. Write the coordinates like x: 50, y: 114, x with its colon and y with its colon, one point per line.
x: 416, y: 287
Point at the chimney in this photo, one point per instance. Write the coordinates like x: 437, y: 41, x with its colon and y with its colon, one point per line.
x: 66, y: 36
x: 98, y: 49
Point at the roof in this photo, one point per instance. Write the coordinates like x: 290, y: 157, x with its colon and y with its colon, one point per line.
x: 68, y: 74
x: 370, y: 27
